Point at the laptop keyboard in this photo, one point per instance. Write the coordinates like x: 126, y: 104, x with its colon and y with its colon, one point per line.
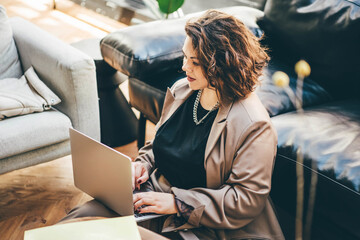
x: 137, y: 214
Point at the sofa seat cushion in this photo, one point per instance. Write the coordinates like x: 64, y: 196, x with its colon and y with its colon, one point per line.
x: 326, y: 184
x: 328, y: 136
x: 27, y: 132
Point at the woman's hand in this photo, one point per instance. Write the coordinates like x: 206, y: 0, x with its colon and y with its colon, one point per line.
x: 139, y: 174
x: 155, y: 202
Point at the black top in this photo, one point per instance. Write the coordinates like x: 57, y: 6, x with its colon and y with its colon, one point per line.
x: 179, y: 146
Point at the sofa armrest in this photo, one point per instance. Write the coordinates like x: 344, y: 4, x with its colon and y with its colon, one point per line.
x: 153, y: 50
x: 147, y: 50
x: 65, y: 70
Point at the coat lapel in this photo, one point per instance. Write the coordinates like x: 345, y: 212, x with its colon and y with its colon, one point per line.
x: 216, y: 129
x: 172, y: 102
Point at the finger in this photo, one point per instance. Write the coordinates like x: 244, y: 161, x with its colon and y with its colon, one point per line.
x: 137, y: 184
x: 138, y: 170
x: 137, y: 197
x: 133, y: 176
x: 150, y: 209
x: 138, y: 204
x: 138, y: 174
x: 140, y: 181
x: 143, y: 200
x: 144, y: 177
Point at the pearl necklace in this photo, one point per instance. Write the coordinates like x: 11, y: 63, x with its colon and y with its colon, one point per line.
x: 196, y: 104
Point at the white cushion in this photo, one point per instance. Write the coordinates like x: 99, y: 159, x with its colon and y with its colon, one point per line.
x: 25, y: 95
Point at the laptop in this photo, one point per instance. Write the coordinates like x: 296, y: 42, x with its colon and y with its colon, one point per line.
x: 104, y: 174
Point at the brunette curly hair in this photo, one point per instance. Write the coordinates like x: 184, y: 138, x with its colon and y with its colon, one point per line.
x: 230, y: 55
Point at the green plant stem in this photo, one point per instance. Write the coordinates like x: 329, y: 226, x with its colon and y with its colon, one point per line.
x: 168, y: 10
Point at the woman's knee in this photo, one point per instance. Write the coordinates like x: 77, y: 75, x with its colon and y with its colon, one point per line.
x: 92, y: 208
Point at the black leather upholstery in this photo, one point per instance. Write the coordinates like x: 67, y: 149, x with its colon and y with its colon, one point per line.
x: 328, y: 138
x: 150, y: 56
x: 147, y: 98
x: 277, y: 101
x: 324, y: 33
x: 327, y: 135
x: 117, y: 120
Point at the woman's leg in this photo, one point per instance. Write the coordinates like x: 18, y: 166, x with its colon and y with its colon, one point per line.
x: 91, y: 208
x: 95, y: 208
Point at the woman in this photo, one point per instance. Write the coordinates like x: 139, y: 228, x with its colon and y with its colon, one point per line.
x: 211, y: 161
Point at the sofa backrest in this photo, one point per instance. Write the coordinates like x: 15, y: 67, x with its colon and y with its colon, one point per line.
x: 10, y: 66
x: 324, y: 33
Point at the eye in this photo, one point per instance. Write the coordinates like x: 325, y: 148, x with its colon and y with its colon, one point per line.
x: 196, y: 63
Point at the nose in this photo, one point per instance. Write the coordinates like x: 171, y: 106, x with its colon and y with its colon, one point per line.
x: 185, y: 66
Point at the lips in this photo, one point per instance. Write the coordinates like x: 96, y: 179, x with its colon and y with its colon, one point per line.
x: 190, y: 79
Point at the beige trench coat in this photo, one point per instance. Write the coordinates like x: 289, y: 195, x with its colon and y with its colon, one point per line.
x: 239, y: 159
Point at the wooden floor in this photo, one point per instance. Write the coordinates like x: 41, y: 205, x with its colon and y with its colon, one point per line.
x: 69, y: 22
x: 41, y: 195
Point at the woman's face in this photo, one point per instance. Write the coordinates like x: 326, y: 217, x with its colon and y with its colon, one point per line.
x: 192, y: 68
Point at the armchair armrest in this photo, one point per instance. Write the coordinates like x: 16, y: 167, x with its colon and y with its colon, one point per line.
x: 65, y: 70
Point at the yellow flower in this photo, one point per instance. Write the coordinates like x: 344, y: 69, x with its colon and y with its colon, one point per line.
x: 280, y: 79
x: 302, y: 68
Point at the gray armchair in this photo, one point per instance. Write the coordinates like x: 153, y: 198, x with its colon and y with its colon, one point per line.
x: 39, y: 137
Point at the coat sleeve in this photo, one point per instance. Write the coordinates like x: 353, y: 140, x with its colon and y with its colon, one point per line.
x: 146, y: 157
x: 243, y: 195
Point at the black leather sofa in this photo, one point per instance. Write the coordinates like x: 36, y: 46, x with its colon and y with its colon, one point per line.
x: 316, y: 180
